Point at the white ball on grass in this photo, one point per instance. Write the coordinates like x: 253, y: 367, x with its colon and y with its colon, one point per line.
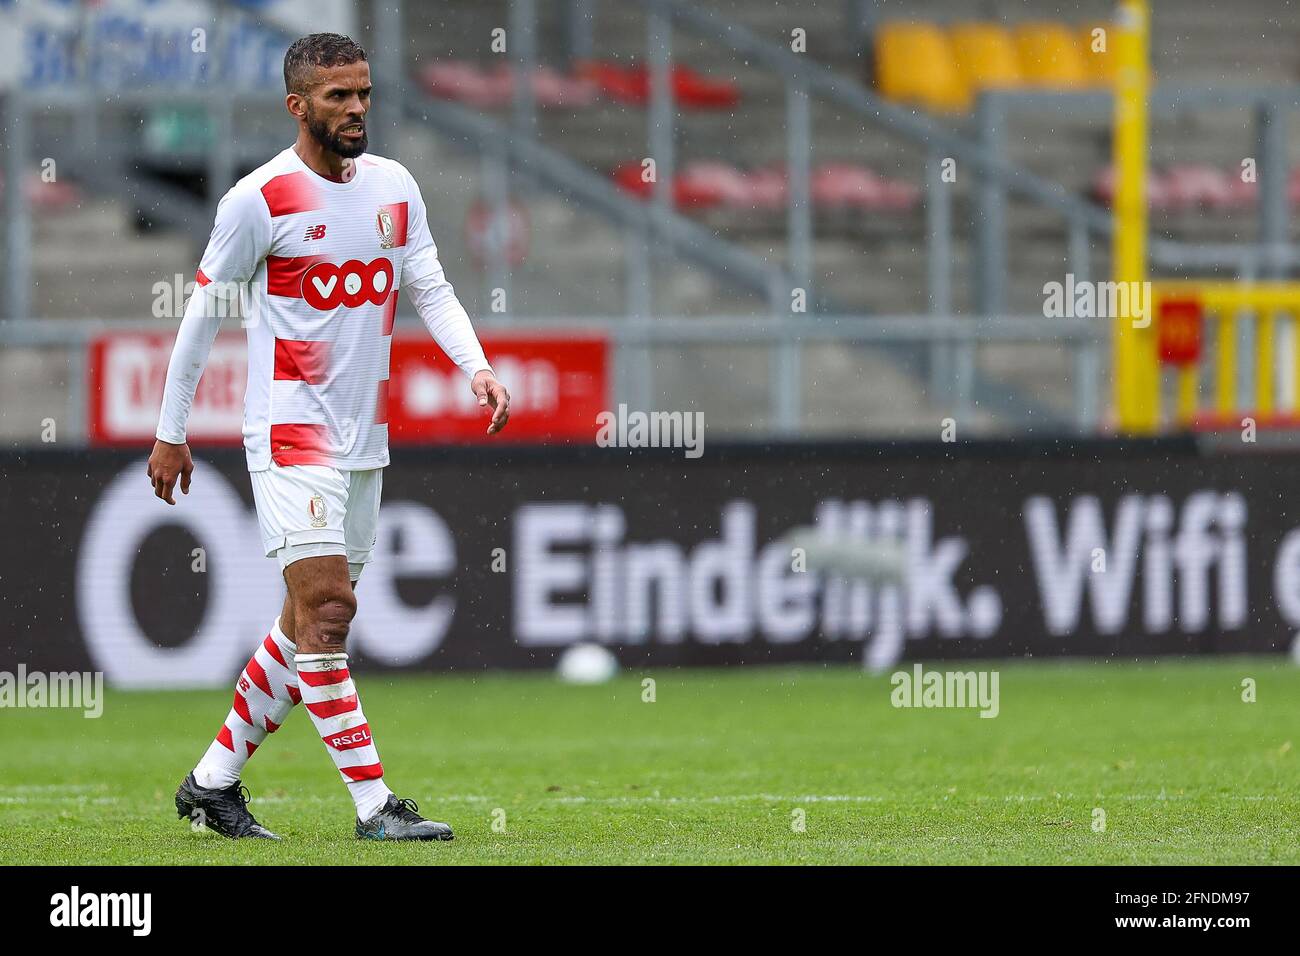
x: 586, y: 664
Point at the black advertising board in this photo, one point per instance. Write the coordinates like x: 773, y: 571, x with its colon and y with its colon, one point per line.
x: 503, y: 558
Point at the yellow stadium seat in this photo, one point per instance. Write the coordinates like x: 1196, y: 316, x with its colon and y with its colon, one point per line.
x: 1097, y: 54
x: 915, y: 64
x: 1050, y: 56
x: 986, y: 56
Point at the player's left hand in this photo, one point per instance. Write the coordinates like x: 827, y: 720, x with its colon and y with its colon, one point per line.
x: 492, y: 394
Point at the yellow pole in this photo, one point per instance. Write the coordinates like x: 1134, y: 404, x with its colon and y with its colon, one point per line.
x: 1136, y: 371
x: 1225, y: 385
x: 1265, y: 359
x: 1188, y: 387
x: 1295, y: 358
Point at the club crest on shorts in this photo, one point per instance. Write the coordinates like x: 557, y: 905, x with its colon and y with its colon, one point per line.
x: 384, y: 225
x: 316, y: 506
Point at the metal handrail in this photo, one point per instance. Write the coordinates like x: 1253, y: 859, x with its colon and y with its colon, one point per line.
x: 1273, y: 252
x: 958, y: 389
x: 1083, y: 217
x: 821, y: 79
x: 723, y: 328
x: 571, y: 179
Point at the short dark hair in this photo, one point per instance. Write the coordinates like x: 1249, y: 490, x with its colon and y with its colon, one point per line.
x: 313, y: 50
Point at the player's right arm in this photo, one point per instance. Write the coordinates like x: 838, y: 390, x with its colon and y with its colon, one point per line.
x: 239, y: 242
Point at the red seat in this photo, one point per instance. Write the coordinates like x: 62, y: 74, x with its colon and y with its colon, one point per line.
x: 1244, y: 195
x: 1159, y: 195
x: 845, y: 186
x: 628, y: 177
x: 553, y: 88
x: 1293, y: 187
x: 1190, y: 186
x: 766, y: 188
x: 842, y: 186
x: 464, y: 83
x: 1103, y: 185
x: 702, y: 93
x: 631, y: 84
x: 43, y: 195
x: 616, y: 82
x: 836, y: 186
x: 493, y: 88
x: 711, y: 184
x: 900, y: 196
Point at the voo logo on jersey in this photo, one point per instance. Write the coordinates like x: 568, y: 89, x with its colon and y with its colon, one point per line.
x: 326, y: 286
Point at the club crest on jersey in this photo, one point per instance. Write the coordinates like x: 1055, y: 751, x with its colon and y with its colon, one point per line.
x: 387, y: 232
x: 316, y: 507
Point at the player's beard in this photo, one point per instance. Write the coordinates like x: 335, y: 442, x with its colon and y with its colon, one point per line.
x: 332, y: 141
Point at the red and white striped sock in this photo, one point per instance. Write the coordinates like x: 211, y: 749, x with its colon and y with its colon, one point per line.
x: 331, y: 698
x: 264, y: 694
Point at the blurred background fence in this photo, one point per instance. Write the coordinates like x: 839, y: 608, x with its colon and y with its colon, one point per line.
x: 815, y: 219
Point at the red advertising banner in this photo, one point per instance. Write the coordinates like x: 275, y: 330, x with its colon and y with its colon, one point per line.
x: 127, y: 371
x: 558, y: 384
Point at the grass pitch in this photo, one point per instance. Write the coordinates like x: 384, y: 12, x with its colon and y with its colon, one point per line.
x: 716, y: 770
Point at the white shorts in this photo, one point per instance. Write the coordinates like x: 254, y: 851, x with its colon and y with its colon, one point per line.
x: 307, y: 511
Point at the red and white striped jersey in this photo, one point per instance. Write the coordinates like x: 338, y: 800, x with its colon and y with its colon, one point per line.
x: 317, y: 265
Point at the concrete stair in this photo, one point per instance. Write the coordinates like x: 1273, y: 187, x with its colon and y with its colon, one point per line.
x: 89, y: 262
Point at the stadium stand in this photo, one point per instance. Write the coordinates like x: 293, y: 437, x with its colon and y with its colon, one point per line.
x: 835, y: 187
x: 730, y: 157
x: 1190, y: 47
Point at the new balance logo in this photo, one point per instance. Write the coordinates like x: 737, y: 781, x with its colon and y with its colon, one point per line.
x: 314, y: 232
